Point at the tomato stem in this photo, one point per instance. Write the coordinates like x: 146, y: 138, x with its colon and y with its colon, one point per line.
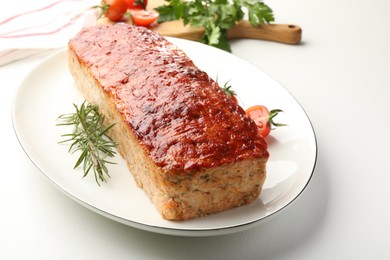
x: 272, y: 114
x: 140, y: 2
x: 228, y: 91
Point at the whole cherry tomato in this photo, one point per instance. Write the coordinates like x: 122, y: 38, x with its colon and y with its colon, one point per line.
x: 114, y: 10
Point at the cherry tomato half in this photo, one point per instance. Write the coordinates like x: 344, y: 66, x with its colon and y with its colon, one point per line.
x: 259, y: 114
x: 136, y: 4
x: 263, y: 118
x: 144, y: 17
x: 114, y: 9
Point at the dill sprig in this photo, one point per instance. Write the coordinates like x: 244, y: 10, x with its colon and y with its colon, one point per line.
x: 90, y: 137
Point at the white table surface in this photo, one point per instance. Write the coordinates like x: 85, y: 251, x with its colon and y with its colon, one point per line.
x: 340, y: 74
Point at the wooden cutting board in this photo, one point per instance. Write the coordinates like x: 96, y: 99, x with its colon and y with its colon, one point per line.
x: 283, y: 33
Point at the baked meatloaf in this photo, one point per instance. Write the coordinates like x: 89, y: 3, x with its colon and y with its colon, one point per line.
x: 189, y: 146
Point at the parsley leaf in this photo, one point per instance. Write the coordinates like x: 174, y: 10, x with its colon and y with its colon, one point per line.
x: 258, y: 13
x: 173, y: 11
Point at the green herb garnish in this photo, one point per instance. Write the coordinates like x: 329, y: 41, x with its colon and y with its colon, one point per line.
x: 215, y: 16
x: 90, y: 137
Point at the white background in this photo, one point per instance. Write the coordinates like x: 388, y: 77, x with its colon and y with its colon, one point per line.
x: 340, y: 74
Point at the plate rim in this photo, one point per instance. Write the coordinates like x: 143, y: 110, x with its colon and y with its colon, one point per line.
x: 155, y: 228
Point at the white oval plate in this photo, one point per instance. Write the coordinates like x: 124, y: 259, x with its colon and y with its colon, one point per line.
x: 48, y: 91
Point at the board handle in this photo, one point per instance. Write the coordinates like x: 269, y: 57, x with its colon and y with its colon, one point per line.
x: 283, y: 33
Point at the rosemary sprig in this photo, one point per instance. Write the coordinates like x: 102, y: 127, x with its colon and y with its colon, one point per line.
x: 90, y: 137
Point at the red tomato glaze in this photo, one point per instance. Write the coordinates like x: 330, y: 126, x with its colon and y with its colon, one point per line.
x: 178, y: 113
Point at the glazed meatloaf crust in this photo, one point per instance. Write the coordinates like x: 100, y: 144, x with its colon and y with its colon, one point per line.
x: 189, y: 146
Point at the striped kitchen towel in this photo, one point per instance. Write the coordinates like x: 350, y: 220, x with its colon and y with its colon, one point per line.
x: 46, y: 27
